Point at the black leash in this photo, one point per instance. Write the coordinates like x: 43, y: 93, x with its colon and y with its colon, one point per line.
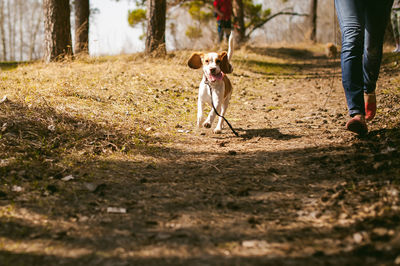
x: 215, y: 109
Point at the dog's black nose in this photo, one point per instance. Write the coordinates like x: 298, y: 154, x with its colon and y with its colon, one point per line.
x: 213, y: 70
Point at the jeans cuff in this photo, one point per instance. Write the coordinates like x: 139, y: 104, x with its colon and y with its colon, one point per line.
x: 356, y: 112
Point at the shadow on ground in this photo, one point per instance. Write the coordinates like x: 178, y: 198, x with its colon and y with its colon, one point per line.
x: 11, y: 65
x: 183, y: 205
x: 327, y: 205
x: 296, y: 62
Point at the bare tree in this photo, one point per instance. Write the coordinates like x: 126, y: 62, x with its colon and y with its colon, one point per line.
x: 3, y: 32
x: 312, y: 20
x: 82, y: 12
x: 21, y: 29
x: 156, y: 20
x: 239, y: 26
x: 57, y: 41
x: 263, y: 21
x: 35, y: 26
x: 21, y: 14
x: 11, y: 30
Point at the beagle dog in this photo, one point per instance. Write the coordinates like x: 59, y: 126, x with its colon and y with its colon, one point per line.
x: 215, y: 67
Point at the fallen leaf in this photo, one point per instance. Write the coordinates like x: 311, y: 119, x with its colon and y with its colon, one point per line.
x: 67, y: 178
x: 116, y: 210
x: 91, y: 186
x: 358, y: 238
x: 17, y: 188
x: 254, y: 243
x: 379, y: 231
x: 4, y: 99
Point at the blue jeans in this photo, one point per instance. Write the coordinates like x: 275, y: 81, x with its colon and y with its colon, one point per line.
x: 363, y: 24
x: 224, y: 27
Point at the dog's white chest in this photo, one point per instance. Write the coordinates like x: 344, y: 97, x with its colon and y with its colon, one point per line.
x: 217, y: 87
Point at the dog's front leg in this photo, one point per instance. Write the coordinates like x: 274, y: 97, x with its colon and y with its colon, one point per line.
x: 200, y: 107
x: 217, y: 103
x: 222, y: 111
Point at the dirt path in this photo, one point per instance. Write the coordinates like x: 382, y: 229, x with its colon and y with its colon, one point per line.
x: 294, y: 189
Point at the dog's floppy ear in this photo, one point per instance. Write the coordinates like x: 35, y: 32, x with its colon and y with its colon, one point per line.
x: 195, y: 60
x: 225, y: 65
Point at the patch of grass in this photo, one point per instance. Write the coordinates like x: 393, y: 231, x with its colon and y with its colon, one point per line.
x: 8, y: 65
x: 271, y: 68
x: 390, y: 58
x: 270, y: 108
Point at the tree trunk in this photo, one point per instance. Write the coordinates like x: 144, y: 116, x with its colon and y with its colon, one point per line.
x: 20, y: 4
x: 33, y: 28
x: 3, y: 32
x: 238, y: 22
x: 155, y: 37
x: 312, y: 36
x: 82, y: 12
x: 10, y: 29
x: 57, y: 40
x: 33, y: 34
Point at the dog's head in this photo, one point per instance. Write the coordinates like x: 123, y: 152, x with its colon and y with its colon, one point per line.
x: 214, y: 64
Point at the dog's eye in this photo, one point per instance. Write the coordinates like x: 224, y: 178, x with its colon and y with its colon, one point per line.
x: 217, y: 61
x: 207, y: 61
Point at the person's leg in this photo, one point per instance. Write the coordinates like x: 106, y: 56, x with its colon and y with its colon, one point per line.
x: 220, y: 30
x: 228, y: 27
x: 376, y: 19
x: 351, y: 20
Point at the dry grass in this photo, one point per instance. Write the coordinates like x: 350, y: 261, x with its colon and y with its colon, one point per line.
x: 295, y: 189
x: 105, y: 105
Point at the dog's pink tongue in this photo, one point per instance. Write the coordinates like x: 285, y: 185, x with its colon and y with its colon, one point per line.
x: 212, y: 78
x: 216, y: 77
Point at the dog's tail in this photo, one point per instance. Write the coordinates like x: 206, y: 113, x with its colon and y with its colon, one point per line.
x: 230, y: 48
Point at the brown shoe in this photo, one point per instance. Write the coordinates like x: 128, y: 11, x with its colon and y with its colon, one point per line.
x: 370, y: 105
x: 357, y: 125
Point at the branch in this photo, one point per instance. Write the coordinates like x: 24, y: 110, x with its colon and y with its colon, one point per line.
x: 178, y: 3
x: 259, y: 25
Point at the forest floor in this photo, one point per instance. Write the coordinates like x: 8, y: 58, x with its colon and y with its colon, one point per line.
x: 101, y: 163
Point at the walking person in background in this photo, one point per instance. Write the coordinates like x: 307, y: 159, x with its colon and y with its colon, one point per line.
x: 395, y: 17
x: 363, y: 24
x: 223, y: 10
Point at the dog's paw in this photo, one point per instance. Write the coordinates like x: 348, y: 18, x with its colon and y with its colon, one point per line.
x: 200, y: 121
x: 217, y: 131
x: 207, y: 125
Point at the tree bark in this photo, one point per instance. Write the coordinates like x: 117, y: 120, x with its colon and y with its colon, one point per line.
x: 82, y: 12
x: 10, y: 29
x: 20, y: 4
x: 155, y: 36
x: 312, y: 36
x: 2, y: 32
x: 57, y: 40
x: 238, y: 22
